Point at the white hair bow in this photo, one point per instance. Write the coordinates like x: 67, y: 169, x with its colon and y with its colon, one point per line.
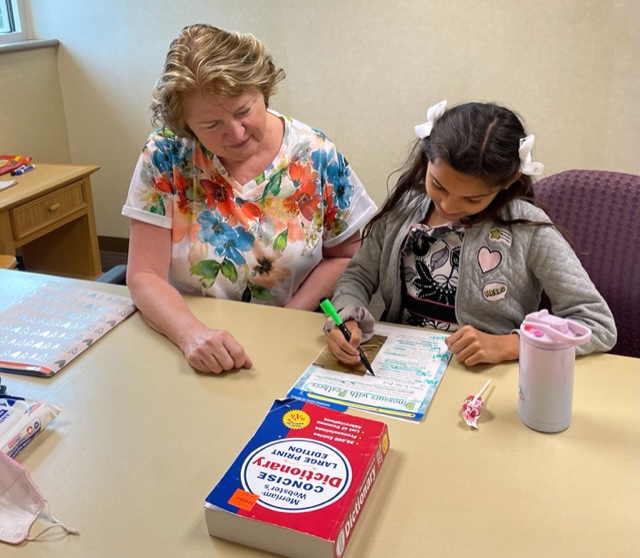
x: 527, y: 166
x: 434, y: 112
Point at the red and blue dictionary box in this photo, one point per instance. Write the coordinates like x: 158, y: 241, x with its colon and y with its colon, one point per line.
x: 298, y: 487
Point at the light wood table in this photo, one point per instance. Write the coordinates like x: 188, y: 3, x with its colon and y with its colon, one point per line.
x: 48, y: 217
x: 142, y: 439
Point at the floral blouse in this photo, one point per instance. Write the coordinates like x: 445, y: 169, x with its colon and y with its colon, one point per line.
x: 255, y: 242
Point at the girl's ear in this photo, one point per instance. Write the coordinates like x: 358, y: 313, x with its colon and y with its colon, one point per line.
x: 513, y: 180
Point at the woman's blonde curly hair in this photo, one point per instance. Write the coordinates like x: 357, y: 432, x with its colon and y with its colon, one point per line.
x: 207, y: 59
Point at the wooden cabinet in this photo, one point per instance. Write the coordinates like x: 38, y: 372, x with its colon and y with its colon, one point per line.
x: 48, y: 217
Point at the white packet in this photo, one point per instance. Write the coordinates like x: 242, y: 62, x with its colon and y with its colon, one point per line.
x: 21, y: 421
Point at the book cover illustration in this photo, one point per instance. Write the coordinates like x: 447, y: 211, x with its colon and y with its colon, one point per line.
x: 55, y: 323
x: 299, y: 486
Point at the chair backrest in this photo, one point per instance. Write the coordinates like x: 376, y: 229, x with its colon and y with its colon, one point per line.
x: 602, y: 210
x: 116, y: 275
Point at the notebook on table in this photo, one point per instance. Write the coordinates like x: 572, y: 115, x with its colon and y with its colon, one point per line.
x: 53, y: 324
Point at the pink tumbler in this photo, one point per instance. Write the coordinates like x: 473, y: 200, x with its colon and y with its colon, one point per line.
x: 547, y: 357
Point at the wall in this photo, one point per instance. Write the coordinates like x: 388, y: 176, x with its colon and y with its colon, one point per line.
x: 32, y: 116
x: 364, y: 72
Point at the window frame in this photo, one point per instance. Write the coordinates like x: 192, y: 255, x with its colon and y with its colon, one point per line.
x: 21, y: 32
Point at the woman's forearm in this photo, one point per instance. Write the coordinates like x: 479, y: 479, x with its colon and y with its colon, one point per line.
x: 163, y: 307
x: 319, y: 283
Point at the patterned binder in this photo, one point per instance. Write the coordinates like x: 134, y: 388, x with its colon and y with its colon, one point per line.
x: 53, y: 324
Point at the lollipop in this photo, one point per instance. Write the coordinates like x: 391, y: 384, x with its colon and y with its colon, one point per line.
x: 472, y: 406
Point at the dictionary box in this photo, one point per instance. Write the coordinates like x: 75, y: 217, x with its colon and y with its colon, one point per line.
x: 299, y: 486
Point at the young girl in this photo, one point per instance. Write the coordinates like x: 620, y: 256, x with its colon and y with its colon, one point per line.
x: 460, y: 246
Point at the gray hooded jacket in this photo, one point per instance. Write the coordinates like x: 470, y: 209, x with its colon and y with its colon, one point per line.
x: 503, y: 270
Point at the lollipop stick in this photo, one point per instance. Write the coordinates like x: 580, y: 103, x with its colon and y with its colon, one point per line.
x: 483, y: 388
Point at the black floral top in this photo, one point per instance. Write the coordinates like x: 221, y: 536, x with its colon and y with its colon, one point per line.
x: 429, y: 270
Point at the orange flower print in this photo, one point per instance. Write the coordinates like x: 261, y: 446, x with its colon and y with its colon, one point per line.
x: 184, y: 225
x: 270, y: 268
x: 330, y: 212
x: 295, y: 231
x: 305, y: 199
x: 302, y: 174
x: 247, y: 211
x: 163, y: 184
x: 200, y: 159
x: 219, y: 195
x: 181, y: 190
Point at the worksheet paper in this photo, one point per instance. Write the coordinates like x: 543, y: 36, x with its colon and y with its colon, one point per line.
x: 6, y: 183
x: 408, y: 364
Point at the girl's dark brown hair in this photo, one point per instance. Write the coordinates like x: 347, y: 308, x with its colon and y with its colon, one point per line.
x: 476, y: 139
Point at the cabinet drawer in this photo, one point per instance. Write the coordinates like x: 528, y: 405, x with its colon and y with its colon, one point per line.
x: 37, y: 214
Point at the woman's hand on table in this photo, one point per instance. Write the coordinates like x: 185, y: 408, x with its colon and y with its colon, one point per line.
x: 214, y: 350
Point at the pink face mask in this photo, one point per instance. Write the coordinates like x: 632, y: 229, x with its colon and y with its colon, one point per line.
x: 21, y: 503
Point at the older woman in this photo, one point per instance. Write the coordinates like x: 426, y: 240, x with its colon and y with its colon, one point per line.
x: 232, y: 200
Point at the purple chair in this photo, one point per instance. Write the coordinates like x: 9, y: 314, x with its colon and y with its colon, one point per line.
x: 602, y: 211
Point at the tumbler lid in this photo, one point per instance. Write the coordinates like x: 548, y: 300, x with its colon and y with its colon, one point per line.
x: 547, y: 331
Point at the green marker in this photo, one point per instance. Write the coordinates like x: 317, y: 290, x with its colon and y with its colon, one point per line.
x: 330, y: 311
